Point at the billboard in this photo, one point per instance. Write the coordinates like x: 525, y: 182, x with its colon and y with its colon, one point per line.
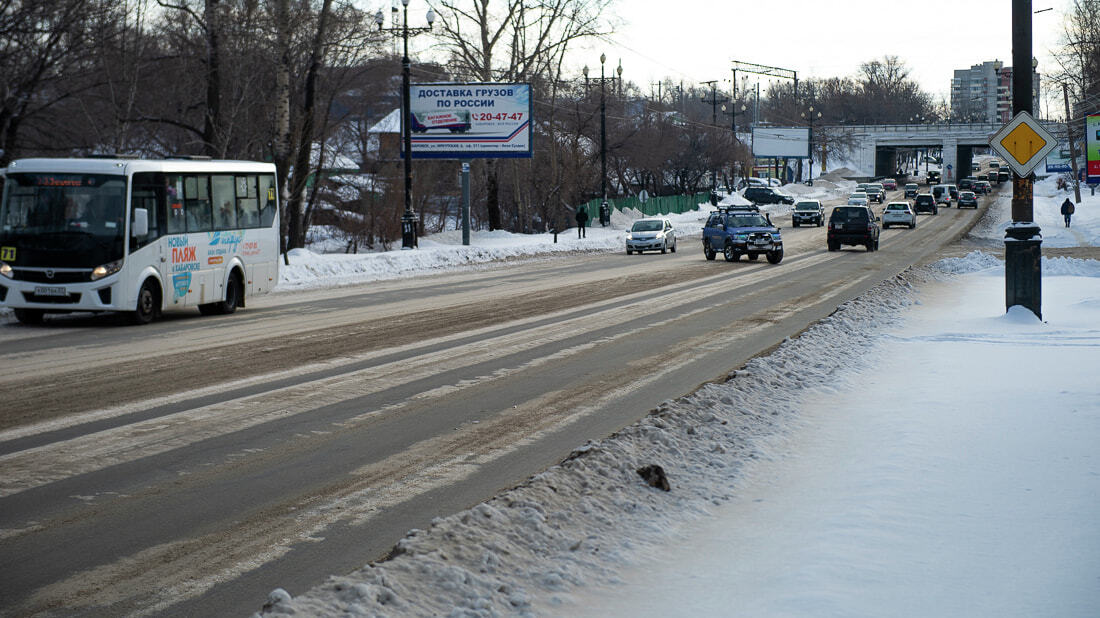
x: 1058, y: 161
x: 463, y: 121
x: 776, y: 142
x: 1092, y: 147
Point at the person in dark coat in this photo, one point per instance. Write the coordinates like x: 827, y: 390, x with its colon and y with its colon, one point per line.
x: 582, y: 220
x: 1067, y: 210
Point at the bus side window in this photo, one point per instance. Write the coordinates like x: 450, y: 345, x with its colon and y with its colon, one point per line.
x: 225, y: 211
x: 267, y: 199
x: 196, y: 202
x: 175, y: 221
x: 248, y: 207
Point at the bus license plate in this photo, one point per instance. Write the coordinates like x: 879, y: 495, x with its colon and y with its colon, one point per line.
x: 50, y: 290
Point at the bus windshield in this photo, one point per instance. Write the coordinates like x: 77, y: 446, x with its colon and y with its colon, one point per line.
x: 63, y: 220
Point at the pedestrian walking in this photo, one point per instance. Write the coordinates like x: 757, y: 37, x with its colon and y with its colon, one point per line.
x: 582, y: 220
x: 1067, y: 210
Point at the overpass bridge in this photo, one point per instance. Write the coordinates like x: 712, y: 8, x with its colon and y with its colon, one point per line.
x: 876, y: 147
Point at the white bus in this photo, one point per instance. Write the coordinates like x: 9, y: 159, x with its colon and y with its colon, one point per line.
x: 136, y: 235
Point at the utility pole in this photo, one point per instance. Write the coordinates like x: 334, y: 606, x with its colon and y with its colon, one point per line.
x: 714, y: 101
x: 1072, y: 146
x: 1023, y: 255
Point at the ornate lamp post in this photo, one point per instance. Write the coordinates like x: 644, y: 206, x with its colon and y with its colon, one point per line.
x: 408, y: 219
x: 604, y: 210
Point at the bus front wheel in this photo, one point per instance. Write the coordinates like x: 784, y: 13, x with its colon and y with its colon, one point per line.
x: 147, y: 302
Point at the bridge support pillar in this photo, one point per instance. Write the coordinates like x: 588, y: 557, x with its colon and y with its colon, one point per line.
x: 950, y: 158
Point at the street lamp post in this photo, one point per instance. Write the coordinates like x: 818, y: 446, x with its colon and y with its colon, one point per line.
x: 408, y: 219
x: 605, y: 211
x: 810, y: 114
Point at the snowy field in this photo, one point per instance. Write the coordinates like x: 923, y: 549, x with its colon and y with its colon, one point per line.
x: 920, y: 452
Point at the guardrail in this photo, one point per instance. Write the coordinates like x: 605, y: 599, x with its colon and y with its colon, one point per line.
x: 655, y: 205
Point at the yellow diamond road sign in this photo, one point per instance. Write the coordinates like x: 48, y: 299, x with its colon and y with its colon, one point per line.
x: 1023, y: 143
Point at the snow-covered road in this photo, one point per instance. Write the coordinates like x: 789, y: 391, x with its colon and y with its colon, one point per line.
x: 920, y: 452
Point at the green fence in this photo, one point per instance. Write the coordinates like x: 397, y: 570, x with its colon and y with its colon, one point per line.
x: 660, y: 205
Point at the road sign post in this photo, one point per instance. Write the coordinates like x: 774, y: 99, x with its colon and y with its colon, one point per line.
x: 1023, y: 143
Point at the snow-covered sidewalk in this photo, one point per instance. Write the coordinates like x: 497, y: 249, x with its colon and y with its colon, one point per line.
x: 953, y: 473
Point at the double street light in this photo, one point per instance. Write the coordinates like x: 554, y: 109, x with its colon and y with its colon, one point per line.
x: 408, y: 219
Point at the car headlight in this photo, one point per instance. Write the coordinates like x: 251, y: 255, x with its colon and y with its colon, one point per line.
x: 629, y: 236
x: 5, y: 270
x: 742, y: 236
x: 109, y: 268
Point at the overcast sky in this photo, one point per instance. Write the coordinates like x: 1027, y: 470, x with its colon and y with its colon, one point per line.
x: 696, y: 40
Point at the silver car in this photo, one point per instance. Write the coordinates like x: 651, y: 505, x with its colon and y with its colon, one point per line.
x: 858, y: 199
x: 651, y: 234
x: 899, y: 213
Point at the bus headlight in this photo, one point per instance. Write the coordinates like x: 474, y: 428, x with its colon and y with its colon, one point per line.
x: 109, y: 268
x: 5, y: 270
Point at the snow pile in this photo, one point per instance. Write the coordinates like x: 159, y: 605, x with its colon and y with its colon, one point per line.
x: 978, y: 261
x: 973, y: 262
x: 444, y: 251
x: 572, y: 526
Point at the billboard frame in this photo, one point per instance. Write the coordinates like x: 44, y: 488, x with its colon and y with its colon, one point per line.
x: 781, y: 142
x: 1092, y: 148
x: 502, y: 113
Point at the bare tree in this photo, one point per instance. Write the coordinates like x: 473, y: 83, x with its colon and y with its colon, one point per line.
x: 43, y: 46
x: 513, y: 40
x: 1079, y: 56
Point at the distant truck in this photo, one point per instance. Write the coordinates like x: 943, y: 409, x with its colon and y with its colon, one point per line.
x: 453, y: 121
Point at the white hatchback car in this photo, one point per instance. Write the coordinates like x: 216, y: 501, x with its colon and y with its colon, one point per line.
x: 898, y: 213
x: 651, y: 234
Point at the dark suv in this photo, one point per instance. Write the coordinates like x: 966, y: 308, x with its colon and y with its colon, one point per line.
x: 767, y: 195
x: 924, y: 202
x: 853, y: 225
x: 737, y: 232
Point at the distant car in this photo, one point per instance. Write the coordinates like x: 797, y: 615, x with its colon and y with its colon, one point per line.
x: 933, y: 177
x: 889, y: 184
x: 942, y: 195
x: 911, y: 189
x: 983, y: 186
x: 759, y: 182
x: 954, y: 191
x: 734, y: 233
x: 852, y: 225
x: 858, y: 199
x: 767, y: 195
x: 899, y: 213
x: 651, y: 234
x: 876, y: 193
x: 808, y: 211
x: 967, y: 199
x: 967, y: 184
x: 1003, y: 175
x: 924, y: 202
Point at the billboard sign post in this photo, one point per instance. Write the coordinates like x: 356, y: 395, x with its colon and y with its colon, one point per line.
x: 465, y: 121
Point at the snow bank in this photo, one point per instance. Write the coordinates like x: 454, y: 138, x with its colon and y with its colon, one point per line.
x: 978, y: 261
